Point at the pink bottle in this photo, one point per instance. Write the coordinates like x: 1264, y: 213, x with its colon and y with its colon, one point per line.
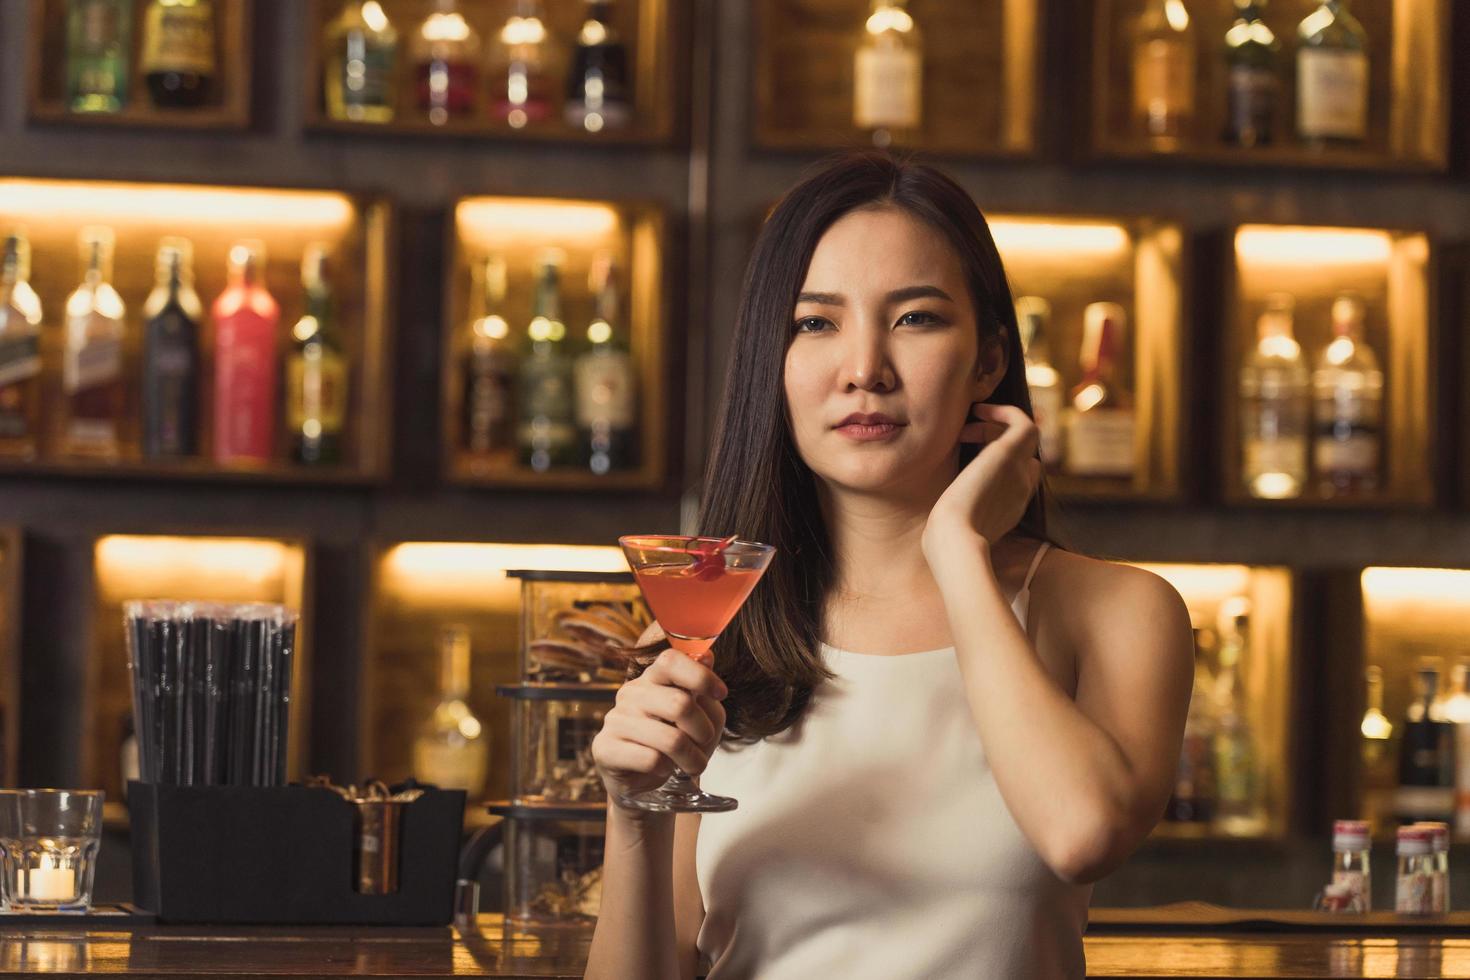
x: 245, y: 320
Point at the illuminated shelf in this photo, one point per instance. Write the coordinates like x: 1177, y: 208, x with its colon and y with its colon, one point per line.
x: 206, y: 568
x: 980, y: 75
x: 1392, y: 271
x: 1407, y: 614
x: 1268, y: 677
x: 10, y: 694
x: 1072, y: 261
x: 419, y: 588
x: 1408, y: 90
x: 520, y: 230
x: 226, y: 107
x: 356, y: 231
x: 653, y: 31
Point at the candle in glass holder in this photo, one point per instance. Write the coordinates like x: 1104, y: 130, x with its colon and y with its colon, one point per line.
x: 46, y: 883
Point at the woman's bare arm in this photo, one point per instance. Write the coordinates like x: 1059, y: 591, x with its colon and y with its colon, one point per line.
x: 1085, y: 780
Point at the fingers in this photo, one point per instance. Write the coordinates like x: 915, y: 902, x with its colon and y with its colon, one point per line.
x: 668, y: 742
x: 675, y: 669
x: 1008, y: 425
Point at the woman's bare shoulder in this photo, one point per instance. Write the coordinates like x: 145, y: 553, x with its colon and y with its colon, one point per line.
x: 1094, y: 588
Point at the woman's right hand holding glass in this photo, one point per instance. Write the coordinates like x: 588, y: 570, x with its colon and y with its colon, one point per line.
x: 670, y: 715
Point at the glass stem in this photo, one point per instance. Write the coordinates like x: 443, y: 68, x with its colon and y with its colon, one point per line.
x: 680, y: 781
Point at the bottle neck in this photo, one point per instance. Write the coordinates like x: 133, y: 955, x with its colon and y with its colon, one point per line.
x: 454, y: 665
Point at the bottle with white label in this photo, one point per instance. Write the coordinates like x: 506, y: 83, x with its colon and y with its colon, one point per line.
x: 1332, y: 77
x: 1033, y: 317
x: 1275, y: 407
x: 452, y: 750
x: 1348, y: 398
x: 888, y: 74
x: 92, y: 377
x: 606, y: 382
x: 1099, y: 421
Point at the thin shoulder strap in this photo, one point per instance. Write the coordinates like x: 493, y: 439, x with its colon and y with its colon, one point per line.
x: 1035, y: 564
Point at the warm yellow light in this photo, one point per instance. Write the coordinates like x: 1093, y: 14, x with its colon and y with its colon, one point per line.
x: 442, y: 573
x: 498, y: 223
x: 156, y: 204
x: 523, y: 30
x: 147, y: 567
x: 599, y: 331
x: 374, y: 17
x: 449, y: 27
x: 886, y: 19
x: 1388, y: 587
x: 1016, y: 237
x: 1275, y: 246
x: 493, y: 327
x: 1204, y: 584
x: 1177, y: 15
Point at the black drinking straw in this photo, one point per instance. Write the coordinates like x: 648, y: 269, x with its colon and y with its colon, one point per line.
x: 285, y: 648
x: 216, y: 689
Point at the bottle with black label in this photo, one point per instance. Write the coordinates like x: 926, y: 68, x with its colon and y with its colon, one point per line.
x: 171, y: 315
x: 597, y: 89
x: 1426, y: 753
x: 179, y: 52
x: 1252, y: 55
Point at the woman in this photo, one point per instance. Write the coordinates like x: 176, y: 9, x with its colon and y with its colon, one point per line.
x: 941, y: 730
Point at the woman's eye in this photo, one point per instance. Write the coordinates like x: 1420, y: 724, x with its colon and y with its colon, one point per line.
x: 811, y: 324
x: 917, y: 318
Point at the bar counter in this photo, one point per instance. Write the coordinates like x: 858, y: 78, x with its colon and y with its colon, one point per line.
x: 1180, y: 941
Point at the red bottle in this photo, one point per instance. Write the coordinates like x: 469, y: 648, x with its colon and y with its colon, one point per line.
x: 245, y: 321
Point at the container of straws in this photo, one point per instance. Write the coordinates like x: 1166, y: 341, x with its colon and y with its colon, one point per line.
x: 211, y: 691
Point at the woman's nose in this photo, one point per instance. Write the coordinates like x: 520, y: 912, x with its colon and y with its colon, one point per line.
x: 866, y: 364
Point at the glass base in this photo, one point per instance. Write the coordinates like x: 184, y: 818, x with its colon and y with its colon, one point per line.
x: 678, y: 794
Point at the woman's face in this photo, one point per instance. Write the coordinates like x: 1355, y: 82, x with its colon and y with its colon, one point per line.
x: 884, y: 326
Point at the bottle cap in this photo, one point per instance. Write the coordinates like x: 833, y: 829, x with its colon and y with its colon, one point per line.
x: 1414, y: 841
x: 1350, y: 835
x: 1439, y: 834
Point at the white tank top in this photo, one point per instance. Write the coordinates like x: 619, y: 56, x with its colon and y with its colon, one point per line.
x: 872, y: 843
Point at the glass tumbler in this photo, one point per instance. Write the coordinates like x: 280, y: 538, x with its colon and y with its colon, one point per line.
x: 49, y: 840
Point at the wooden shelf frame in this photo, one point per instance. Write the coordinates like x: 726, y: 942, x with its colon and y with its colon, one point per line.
x: 360, y: 231
x: 11, y: 577
x: 227, y: 109
x: 1400, y: 291
x: 107, y: 686
x: 640, y: 241
x: 1409, y: 90
x: 802, y: 65
x: 655, y: 31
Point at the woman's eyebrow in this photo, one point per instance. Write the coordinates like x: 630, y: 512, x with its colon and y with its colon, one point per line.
x: 822, y: 299
x: 918, y: 292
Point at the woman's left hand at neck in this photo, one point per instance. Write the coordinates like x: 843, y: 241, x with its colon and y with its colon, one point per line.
x: 988, y: 498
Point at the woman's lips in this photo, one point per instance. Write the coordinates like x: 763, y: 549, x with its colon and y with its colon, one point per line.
x: 877, y: 432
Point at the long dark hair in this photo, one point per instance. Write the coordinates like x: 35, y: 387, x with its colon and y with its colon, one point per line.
x: 756, y: 483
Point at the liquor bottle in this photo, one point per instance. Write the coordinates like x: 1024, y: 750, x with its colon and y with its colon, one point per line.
x: 178, y: 52
x: 1426, y: 752
x: 1275, y: 407
x: 545, y: 409
x: 20, y: 351
x: 606, y: 382
x: 361, y: 56
x: 1348, y: 397
x: 446, y: 64
x: 1332, y: 77
x: 92, y: 380
x: 888, y: 71
x: 489, y: 370
x: 1033, y: 317
x: 452, y: 750
x: 520, y: 89
x: 316, y: 370
x: 1457, y: 713
x: 171, y: 317
x: 598, y: 94
x: 97, y: 52
x: 1099, y: 422
x: 245, y: 320
x: 1164, y: 56
x: 1240, y: 807
x: 1193, y: 798
x: 1252, y: 63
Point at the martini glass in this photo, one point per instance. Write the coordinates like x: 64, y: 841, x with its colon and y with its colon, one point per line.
x: 694, y: 587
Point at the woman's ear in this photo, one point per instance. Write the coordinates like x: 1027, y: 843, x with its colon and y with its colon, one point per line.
x: 990, y: 368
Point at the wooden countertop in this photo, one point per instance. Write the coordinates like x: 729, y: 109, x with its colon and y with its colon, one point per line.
x: 1123, y: 950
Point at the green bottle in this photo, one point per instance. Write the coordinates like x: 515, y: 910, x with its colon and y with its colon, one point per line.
x: 97, y: 48
x: 547, y: 429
